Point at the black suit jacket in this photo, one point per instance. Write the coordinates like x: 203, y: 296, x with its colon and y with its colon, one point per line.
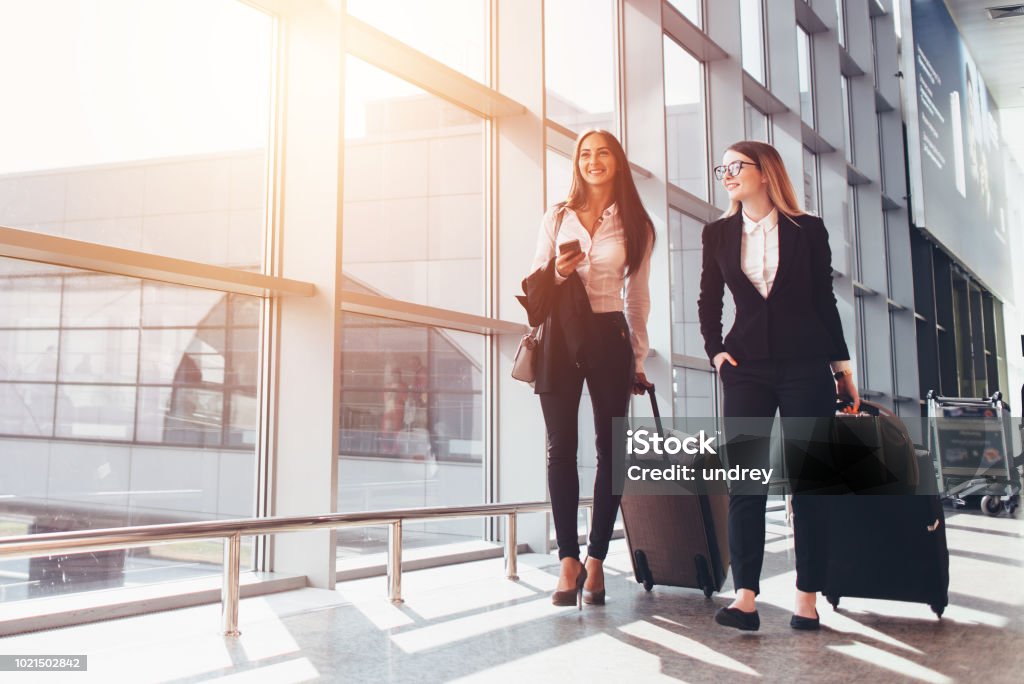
x: 568, y: 323
x: 799, y: 318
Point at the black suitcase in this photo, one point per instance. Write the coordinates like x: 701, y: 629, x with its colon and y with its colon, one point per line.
x: 889, y: 547
x: 679, y: 540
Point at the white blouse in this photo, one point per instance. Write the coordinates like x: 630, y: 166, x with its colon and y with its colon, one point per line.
x: 603, y: 270
x: 759, y: 251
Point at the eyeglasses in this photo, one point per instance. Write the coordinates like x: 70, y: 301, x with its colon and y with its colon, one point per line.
x: 733, y: 168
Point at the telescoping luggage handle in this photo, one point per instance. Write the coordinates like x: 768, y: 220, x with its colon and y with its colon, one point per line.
x: 654, y: 408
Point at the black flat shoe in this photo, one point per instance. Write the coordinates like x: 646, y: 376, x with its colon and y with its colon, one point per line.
x: 805, y: 623
x: 574, y: 596
x: 738, y: 619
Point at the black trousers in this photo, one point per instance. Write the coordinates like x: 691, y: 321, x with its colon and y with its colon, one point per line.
x: 608, y: 369
x: 756, y: 389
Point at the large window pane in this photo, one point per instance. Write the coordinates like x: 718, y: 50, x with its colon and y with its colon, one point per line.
x: 811, y: 185
x: 755, y: 123
x: 805, y: 70
x: 163, y: 150
x: 844, y: 86
x: 752, y: 35
x: 684, y: 120
x: 451, y: 31
x: 691, y: 9
x: 559, y: 177
x: 685, y: 248
x: 694, y: 392
x: 579, y: 63
x: 115, y: 412
x: 412, y: 426
x: 414, y: 193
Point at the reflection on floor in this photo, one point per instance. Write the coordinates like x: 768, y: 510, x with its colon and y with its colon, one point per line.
x: 467, y: 623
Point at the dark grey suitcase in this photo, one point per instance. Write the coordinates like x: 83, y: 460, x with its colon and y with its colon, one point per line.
x: 679, y: 540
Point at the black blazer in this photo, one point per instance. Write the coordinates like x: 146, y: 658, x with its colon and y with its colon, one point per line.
x: 568, y: 323
x: 799, y: 319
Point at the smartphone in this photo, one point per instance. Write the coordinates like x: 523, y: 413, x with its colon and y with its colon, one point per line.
x: 570, y: 246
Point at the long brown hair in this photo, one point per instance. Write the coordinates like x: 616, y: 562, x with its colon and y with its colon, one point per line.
x: 636, y: 222
x: 780, y: 188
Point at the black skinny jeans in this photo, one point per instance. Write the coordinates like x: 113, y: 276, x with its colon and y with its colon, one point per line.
x: 755, y: 389
x: 609, y: 372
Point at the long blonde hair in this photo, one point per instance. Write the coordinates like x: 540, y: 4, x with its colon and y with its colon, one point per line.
x: 636, y: 222
x: 780, y: 188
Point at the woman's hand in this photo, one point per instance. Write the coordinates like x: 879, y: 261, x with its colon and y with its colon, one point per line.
x: 846, y: 388
x: 566, y: 263
x: 721, y: 358
x: 640, y: 384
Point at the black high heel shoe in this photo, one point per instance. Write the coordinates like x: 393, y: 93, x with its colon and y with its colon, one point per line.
x: 574, y: 596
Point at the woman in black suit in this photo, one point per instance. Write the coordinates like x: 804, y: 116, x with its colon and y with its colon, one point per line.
x: 785, y: 352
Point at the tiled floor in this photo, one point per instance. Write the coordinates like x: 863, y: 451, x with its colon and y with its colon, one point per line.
x: 467, y: 623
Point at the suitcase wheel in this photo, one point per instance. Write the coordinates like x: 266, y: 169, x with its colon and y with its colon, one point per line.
x: 643, y: 571
x: 834, y: 600
x: 703, y: 576
x: 938, y: 610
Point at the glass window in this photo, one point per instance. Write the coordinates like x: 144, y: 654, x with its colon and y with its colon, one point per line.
x: 122, y: 402
x: 694, y: 392
x: 844, y: 86
x: 454, y: 32
x: 755, y: 123
x: 411, y: 426
x: 559, y: 177
x: 691, y: 9
x: 164, y: 152
x: 853, y: 230
x: 685, y: 120
x: 413, y: 193
x: 752, y: 35
x: 811, y: 184
x: 805, y: 68
x: 579, y: 63
x: 841, y: 21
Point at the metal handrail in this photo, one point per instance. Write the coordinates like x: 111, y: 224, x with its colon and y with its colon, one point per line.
x: 232, y: 531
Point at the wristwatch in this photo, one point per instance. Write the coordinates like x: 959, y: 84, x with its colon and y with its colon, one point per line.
x: 839, y: 375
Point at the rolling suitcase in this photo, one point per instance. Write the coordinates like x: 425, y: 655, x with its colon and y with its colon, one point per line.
x: 679, y: 540
x: 889, y: 547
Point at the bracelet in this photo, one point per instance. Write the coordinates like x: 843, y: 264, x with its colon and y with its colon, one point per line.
x: 839, y: 375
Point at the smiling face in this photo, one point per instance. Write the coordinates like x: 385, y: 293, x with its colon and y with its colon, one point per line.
x: 596, y: 162
x: 748, y: 183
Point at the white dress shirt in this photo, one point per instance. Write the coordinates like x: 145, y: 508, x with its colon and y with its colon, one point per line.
x: 603, y: 270
x: 759, y: 251
x: 759, y: 258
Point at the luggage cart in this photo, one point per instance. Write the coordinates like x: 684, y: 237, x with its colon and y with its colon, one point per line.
x: 971, y: 446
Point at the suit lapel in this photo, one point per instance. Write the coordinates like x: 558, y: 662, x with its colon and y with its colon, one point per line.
x: 788, y: 237
x: 734, y: 231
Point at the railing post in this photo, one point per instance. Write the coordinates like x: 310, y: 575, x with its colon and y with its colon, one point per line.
x: 229, y: 591
x: 395, y: 562
x: 511, y: 547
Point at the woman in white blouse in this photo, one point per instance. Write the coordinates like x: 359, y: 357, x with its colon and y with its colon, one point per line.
x: 604, y: 215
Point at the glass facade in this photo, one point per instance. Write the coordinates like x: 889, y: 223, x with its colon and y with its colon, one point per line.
x: 581, y: 80
x: 685, y: 120
x: 752, y: 34
x: 128, y: 401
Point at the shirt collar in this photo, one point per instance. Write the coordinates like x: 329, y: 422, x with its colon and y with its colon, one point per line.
x: 767, y: 224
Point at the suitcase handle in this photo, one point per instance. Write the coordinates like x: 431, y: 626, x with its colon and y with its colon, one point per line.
x: 654, y: 408
x: 866, y: 407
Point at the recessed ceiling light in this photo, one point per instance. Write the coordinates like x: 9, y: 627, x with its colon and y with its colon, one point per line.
x: 1006, y: 11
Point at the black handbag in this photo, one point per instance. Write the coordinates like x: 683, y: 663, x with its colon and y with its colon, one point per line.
x: 524, y: 365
